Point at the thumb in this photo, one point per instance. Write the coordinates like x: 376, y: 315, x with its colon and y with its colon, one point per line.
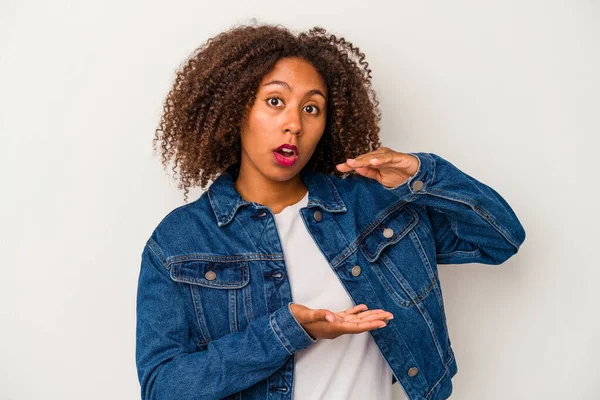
x: 324, y: 315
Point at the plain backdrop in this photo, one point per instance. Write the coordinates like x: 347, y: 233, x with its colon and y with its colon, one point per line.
x: 508, y: 91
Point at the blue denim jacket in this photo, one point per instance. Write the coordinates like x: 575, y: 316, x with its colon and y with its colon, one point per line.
x: 213, y: 302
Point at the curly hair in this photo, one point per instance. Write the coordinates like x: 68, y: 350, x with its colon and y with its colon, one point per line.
x: 202, y: 114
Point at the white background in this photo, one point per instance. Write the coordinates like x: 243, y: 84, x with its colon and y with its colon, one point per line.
x: 506, y: 90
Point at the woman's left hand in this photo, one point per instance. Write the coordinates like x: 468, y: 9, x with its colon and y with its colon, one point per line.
x: 390, y: 168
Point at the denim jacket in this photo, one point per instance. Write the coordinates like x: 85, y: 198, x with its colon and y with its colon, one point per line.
x: 213, y: 302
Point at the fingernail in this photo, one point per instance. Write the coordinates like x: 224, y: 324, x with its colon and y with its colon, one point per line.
x: 387, y: 319
x: 329, y: 318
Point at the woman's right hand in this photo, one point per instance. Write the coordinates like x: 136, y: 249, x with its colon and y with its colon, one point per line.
x: 352, y: 320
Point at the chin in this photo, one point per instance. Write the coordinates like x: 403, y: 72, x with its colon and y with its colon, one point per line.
x: 282, y: 174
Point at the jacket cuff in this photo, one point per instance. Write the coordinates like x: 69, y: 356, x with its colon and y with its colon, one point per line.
x: 425, y: 173
x: 289, y: 331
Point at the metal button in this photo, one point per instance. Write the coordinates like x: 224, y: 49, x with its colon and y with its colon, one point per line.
x: 277, y: 275
x: 388, y: 233
x: 210, y: 275
x: 417, y: 185
x: 413, y: 371
x: 356, y: 270
x: 262, y: 214
x: 318, y: 216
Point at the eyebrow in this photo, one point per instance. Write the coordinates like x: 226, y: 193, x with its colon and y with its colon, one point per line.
x: 285, y: 85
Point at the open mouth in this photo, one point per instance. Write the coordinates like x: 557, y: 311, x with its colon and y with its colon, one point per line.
x: 286, y: 153
x: 285, y: 158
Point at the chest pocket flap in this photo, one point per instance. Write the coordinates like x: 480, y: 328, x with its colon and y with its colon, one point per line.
x: 387, y: 232
x: 212, y: 274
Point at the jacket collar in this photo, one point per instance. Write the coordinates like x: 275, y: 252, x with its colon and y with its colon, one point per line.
x: 225, y: 200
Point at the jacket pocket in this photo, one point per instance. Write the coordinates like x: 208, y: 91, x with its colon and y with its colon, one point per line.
x: 394, y: 252
x: 220, y: 295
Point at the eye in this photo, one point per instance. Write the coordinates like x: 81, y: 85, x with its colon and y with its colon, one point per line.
x: 314, y: 109
x: 271, y: 99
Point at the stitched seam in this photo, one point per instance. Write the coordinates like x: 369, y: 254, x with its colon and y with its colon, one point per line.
x: 427, y: 264
x: 248, y: 303
x: 214, y: 204
x: 398, y: 236
x: 225, y: 258
x: 391, y: 291
x: 271, y: 321
x: 150, y: 246
x: 418, y: 298
x: 459, y: 253
x: 484, y: 214
x: 382, y: 216
x: 446, y: 370
x: 200, y: 317
x: 338, y: 199
x: 437, y: 286
x: 233, y: 301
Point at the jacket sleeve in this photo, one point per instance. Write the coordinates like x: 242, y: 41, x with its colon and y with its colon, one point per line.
x: 471, y: 222
x: 170, y: 366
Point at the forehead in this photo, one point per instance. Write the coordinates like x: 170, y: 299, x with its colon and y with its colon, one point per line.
x: 297, y: 72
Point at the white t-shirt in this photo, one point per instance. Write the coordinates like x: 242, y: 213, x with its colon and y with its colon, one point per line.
x: 349, y: 367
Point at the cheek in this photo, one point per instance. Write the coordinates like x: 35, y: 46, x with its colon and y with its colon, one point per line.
x: 317, y: 124
x: 257, y: 132
x: 314, y: 142
x: 259, y: 122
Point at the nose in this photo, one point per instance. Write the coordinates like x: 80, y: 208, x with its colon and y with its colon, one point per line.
x: 293, y: 123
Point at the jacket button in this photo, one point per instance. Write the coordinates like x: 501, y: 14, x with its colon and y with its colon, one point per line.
x: 210, y: 275
x: 417, y: 185
x: 388, y: 233
x: 278, y: 388
x: 356, y: 270
x: 318, y: 216
x: 413, y: 371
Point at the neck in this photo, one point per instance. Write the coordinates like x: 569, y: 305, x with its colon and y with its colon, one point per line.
x: 255, y: 187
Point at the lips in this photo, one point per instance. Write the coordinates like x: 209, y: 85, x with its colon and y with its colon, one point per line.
x: 290, y: 147
x: 286, y: 158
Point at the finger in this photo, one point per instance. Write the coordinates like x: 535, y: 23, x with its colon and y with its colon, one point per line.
x: 396, y: 159
x: 368, y: 172
x: 370, y: 312
x: 372, y: 159
x: 374, y: 317
x: 368, y: 316
x: 363, y: 314
x: 345, y: 166
x: 353, y: 310
x: 371, y: 154
x: 323, y: 315
x: 362, y: 326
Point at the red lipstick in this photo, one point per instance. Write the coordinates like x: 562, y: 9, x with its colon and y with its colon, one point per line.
x: 286, y: 155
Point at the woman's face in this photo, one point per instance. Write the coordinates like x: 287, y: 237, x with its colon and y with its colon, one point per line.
x: 290, y: 108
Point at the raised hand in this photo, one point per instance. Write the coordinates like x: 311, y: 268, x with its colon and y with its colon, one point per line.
x: 390, y: 168
x: 322, y: 323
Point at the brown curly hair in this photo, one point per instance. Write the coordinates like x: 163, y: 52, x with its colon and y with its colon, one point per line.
x: 202, y: 114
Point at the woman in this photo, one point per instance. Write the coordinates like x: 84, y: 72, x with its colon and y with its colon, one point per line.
x: 261, y: 287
